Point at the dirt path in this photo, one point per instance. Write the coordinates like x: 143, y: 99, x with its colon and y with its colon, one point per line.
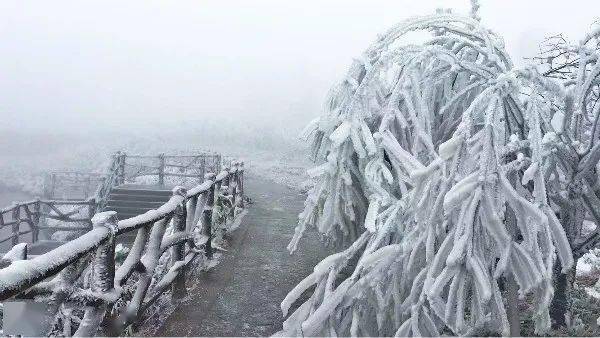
x: 241, y: 296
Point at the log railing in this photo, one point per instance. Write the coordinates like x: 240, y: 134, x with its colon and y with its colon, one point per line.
x: 163, y: 166
x: 70, y: 184
x: 30, y: 217
x: 113, y: 178
x: 126, y: 168
x: 114, y: 296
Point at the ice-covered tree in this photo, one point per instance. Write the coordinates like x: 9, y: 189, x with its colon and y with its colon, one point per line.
x: 575, y: 190
x: 449, y: 176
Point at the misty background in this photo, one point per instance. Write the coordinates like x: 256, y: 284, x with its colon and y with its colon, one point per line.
x: 79, y: 80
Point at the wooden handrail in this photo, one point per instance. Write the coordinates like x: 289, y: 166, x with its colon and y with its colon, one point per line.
x: 161, y: 166
x: 36, y: 212
x: 21, y: 275
x: 185, y: 211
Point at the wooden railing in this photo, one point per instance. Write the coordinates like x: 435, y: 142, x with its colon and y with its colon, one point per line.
x: 163, y: 166
x: 32, y: 216
x: 113, y: 178
x: 126, y: 168
x: 70, y: 185
x: 114, y: 295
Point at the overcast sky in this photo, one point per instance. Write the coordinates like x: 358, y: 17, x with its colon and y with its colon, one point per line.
x: 152, y: 63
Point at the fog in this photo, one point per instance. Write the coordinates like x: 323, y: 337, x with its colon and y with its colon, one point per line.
x: 243, y: 73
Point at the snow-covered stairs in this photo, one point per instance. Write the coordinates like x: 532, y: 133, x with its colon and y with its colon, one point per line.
x: 132, y: 200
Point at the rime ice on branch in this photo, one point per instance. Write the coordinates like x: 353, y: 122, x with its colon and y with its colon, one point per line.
x: 440, y: 169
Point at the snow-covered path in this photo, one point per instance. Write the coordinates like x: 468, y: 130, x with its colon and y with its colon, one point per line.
x: 241, y: 296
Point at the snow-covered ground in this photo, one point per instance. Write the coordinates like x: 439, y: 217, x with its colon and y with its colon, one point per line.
x: 588, y: 266
x: 289, y: 171
x: 588, y: 272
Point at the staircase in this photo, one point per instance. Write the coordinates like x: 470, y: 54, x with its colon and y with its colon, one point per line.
x: 131, y: 200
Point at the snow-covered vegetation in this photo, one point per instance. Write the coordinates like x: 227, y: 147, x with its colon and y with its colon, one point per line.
x: 455, y: 185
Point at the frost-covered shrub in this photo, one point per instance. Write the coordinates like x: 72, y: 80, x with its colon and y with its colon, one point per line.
x: 582, y: 321
x: 444, y: 170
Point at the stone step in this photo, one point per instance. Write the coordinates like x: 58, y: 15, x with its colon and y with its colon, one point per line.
x: 129, y: 210
x: 141, y: 192
x: 131, y: 200
x: 134, y: 204
x: 146, y: 198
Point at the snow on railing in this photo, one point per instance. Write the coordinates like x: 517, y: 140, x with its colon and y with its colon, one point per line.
x: 114, y: 296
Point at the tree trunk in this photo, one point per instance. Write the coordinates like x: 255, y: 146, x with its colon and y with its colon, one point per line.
x: 512, y: 298
x: 561, y: 303
x: 572, y: 215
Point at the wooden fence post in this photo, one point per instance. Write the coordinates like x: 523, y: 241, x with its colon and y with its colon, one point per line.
x: 52, y: 186
x: 92, y: 207
x: 203, y: 171
x: 121, y: 169
x: 15, y: 227
x: 161, y: 169
x: 96, y: 318
x: 224, y: 191
x: 191, y: 206
x: 233, y: 188
x: 207, y: 215
x: 35, y: 231
x: 103, y: 265
x: 238, y: 187
x: 226, y: 179
x: 241, y: 183
x: 178, y: 250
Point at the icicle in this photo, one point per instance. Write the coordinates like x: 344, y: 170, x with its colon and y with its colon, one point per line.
x: 372, y: 215
x: 341, y: 133
x: 560, y: 238
x: 483, y: 284
x: 404, y: 330
x: 460, y: 191
x: 450, y: 147
x: 529, y: 173
x: 310, y: 128
x: 357, y: 143
x: 355, y: 320
x: 368, y: 139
